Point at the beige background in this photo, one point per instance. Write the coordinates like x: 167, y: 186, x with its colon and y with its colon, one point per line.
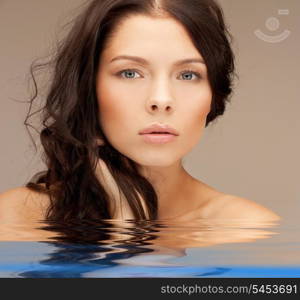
x: 252, y: 151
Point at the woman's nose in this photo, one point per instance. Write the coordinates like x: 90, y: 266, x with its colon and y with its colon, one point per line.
x: 160, y: 97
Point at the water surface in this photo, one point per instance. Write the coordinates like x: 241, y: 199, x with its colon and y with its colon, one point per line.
x: 202, y: 248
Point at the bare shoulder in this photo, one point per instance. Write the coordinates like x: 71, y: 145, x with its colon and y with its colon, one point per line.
x: 235, y: 207
x: 22, y: 204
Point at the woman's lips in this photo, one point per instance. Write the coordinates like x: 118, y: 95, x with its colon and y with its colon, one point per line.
x: 158, y: 138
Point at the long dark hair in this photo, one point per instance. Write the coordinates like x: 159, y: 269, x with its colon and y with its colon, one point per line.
x: 70, y: 113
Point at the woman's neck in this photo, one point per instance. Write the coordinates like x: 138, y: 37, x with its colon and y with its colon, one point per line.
x: 175, y: 189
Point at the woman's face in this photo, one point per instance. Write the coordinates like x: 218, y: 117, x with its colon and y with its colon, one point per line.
x: 133, y: 94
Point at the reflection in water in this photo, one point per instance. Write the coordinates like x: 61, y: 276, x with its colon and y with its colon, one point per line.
x: 89, y: 246
x: 217, y: 271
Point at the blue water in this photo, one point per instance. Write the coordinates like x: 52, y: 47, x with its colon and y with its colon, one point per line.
x: 181, y: 251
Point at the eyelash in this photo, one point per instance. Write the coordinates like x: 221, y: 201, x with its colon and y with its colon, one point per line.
x: 183, y: 72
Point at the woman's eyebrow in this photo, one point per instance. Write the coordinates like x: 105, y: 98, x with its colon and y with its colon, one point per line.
x: 145, y: 62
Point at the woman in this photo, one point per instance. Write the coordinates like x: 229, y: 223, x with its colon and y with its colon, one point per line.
x: 135, y: 83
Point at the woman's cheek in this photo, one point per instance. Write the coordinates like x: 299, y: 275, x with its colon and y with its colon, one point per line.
x: 197, y: 118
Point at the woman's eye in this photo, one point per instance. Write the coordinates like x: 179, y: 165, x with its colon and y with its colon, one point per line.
x: 129, y: 72
x: 188, y: 75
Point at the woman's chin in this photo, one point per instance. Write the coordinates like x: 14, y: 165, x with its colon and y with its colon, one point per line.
x: 156, y: 163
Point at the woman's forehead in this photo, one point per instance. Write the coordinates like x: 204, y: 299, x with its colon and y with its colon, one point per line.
x: 147, y: 36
